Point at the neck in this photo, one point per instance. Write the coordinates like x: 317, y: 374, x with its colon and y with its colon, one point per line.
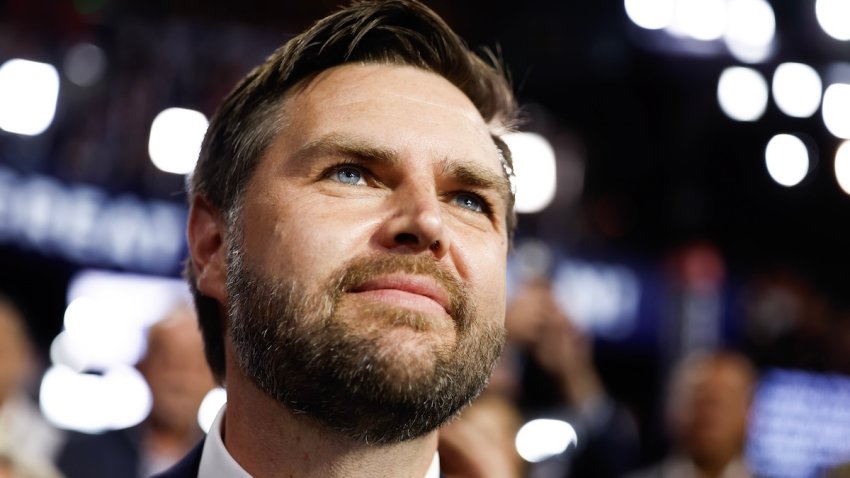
x: 267, y: 439
x: 711, y: 468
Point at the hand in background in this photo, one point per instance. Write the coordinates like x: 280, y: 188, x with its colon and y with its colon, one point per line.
x: 536, y: 323
x: 480, y: 443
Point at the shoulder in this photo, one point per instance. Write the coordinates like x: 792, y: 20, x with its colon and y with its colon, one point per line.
x: 112, y: 453
x: 187, y: 467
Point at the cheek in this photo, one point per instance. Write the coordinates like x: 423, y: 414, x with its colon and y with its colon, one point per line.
x: 487, y: 279
x: 306, y: 242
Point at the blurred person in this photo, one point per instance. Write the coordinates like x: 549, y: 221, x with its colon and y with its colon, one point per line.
x: 480, y: 443
x: 562, y: 382
x: 707, y: 413
x: 789, y: 323
x: 177, y: 374
x: 21, y: 467
x: 351, y: 214
x: 28, y: 444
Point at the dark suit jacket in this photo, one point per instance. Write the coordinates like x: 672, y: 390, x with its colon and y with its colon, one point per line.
x: 187, y: 467
x: 113, y: 454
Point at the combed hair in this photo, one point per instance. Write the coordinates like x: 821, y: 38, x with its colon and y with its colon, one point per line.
x: 396, y: 32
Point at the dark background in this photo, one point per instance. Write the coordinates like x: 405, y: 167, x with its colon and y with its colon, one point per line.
x: 663, y: 166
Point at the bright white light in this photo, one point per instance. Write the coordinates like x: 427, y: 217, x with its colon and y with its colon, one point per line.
x: 742, y: 93
x: 699, y: 19
x: 28, y: 94
x: 107, y: 316
x: 64, y: 350
x: 842, y: 166
x: 70, y: 400
x: 98, y: 338
x: 797, y: 89
x: 534, y: 166
x: 836, y: 109
x: 142, y: 299
x: 650, y: 14
x: 84, y: 64
x: 130, y: 398
x: 787, y: 159
x: 175, y: 140
x: 540, y: 439
x: 210, y: 406
x: 79, y: 312
x: 90, y: 403
x: 834, y: 18
x: 750, y: 28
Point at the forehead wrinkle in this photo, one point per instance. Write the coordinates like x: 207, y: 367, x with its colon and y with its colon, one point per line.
x: 468, y: 111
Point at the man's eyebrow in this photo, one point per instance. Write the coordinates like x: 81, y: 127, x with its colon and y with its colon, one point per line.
x: 476, y: 176
x: 341, y: 145
x: 464, y: 172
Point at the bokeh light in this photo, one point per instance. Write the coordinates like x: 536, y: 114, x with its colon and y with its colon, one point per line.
x: 842, y: 166
x: 92, y: 385
x: 28, y: 94
x: 97, y: 337
x: 836, y: 109
x: 787, y: 159
x: 834, y: 18
x: 175, y: 139
x: 742, y: 93
x: 797, y: 89
x: 84, y: 64
x: 543, y: 438
x: 210, y: 406
x: 699, y: 19
x: 650, y: 14
x: 107, y: 316
x: 119, y: 398
x: 534, y: 166
x: 750, y: 29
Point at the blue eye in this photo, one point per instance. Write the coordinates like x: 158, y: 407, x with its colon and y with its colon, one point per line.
x: 469, y: 201
x: 348, y: 175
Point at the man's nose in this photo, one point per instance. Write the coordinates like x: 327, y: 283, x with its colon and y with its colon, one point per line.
x: 416, y: 223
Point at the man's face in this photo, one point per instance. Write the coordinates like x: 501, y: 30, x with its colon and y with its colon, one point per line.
x: 176, y: 371
x: 710, y: 409
x: 366, y: 275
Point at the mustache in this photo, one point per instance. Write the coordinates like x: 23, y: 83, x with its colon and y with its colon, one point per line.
x: 362, y: 269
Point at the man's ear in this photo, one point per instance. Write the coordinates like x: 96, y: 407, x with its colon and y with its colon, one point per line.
x: 205, y: 233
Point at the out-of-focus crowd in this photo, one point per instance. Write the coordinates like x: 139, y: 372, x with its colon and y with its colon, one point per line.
x: 177, y: 375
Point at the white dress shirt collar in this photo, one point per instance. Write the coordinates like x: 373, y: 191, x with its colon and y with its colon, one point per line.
x: 216, y: 461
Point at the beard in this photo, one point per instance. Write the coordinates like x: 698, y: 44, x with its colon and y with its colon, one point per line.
x: 331, y: 360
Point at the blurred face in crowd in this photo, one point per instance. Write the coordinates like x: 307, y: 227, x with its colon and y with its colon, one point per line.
x: 709, y: 408
x: 176, y: 370
x: 14, y: 351
x: 367, y: 270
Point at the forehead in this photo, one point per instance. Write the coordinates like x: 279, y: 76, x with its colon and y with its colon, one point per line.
x: 401, y: 107
x: 715, y: 373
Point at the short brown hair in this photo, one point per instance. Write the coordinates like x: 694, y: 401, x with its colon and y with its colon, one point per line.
x: 402, y: 32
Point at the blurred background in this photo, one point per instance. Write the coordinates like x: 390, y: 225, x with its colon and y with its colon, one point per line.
x: 684, y: 187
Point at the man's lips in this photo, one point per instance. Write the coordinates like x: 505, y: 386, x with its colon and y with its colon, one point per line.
x: 410, y: 291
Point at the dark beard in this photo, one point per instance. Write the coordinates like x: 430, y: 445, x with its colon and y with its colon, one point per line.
x: 298, y: 350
